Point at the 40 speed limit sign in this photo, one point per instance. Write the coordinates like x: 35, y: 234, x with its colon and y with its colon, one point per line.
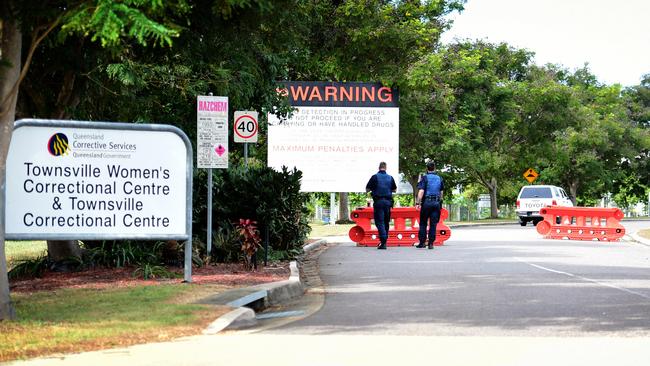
x: 245, y: 126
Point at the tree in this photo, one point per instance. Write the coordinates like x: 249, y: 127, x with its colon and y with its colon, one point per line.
x: 588, y: 154
x: 110, y: 23
x: 637, y: 99
x: 483, y: 110
x: 427, y: 129
x: 635, y: 185
x: 374, y: 40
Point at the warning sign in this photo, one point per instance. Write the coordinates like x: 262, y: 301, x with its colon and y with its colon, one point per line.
x: 531, y: 175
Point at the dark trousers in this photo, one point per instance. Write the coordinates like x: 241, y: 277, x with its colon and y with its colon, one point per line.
x: 382, y: 218
x: 429, y: 216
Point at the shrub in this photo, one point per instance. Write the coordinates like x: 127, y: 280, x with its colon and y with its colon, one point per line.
x: 225, y: 243
x: 272, y: 199
x: 29, y: 268
x: 150, y: 270
x: 124, y: 253
x: 250, y: 241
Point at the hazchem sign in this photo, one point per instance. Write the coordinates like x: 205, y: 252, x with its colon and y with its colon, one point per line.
x: 212, y: 132
x: 338, y: 134
x: 92, y: 180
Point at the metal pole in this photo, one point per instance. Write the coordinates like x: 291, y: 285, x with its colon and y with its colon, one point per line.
x: 209, y: 249
x: 332, y: 207
x: 246, y: 154
x: 188, y: 260
x: 266, y: 244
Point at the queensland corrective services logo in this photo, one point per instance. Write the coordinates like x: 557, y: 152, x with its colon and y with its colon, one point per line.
x: 58, y: 144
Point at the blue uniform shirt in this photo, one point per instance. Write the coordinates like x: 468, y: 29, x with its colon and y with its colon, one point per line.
x: 381, y: 185
x: 432, y: 184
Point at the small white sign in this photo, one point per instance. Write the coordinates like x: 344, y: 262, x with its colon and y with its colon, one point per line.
x: 484, y: 200
x: 245, y: 127
x: 212, y: 132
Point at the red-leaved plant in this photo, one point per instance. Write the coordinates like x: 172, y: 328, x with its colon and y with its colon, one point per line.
x: 250, y: 241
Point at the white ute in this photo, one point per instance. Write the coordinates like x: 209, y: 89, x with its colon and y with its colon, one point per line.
x: 532, y: 198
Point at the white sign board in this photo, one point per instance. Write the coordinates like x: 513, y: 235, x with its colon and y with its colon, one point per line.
x: 484, y: 200
x: 338, y: 135
x: 212, y: 132
x: 245, y: 126
x: 94, y: 182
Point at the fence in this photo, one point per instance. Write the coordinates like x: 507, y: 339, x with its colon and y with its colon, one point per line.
x: 456, y: 212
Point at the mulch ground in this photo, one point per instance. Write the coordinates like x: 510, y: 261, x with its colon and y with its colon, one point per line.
x: 227, y: 274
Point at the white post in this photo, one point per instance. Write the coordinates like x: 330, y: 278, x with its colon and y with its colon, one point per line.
x: 332, y: 207
x: 246, y: 154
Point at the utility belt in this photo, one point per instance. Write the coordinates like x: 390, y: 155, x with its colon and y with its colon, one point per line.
x: 375, y: 198
x: 432, y: 198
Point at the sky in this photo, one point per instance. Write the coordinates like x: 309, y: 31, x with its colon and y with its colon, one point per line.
x: 612, y: 36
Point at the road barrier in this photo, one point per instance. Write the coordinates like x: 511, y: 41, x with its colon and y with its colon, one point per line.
x: 581, y: 223
x: 400, y: 234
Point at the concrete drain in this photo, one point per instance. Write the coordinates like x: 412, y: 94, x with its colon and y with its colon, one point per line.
x: 280, y: 314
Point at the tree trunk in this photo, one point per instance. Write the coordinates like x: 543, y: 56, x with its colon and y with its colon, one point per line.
x: 10, y: 51
x: 60, y: 250
x: 344, y: 210
x: 414, y: 180
x: 494, y: 205
x: 573, y: 192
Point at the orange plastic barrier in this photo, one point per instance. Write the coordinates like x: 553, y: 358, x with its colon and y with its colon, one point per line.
x: 400, y: 235
x: 581, y: 223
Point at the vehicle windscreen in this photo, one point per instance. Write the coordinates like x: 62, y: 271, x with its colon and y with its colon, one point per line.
x: 534, y: 192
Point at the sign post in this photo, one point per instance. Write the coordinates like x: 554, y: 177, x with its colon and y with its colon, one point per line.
x: 82, y: 180
x: 212, y: 143
x: 245, y: 129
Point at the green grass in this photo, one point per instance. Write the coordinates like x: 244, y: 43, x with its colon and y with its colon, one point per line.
x: 645, y: 234
x: 20, y: 250
x: 84, y: 319
x: 321, y: 230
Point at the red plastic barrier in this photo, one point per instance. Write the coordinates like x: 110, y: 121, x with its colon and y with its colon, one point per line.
x: 581, y: 223
x: 400, y: 235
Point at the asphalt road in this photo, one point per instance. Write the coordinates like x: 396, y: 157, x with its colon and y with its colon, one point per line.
x: 486, y: 281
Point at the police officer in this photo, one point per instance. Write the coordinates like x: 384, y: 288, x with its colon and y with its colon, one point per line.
x: 382, y: 185
x: 429, y: 202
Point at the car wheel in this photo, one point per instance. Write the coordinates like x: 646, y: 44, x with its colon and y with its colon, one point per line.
x: 535, y: 222
x: 523, y: 222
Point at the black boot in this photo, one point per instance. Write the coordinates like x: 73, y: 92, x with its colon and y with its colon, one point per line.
x: 382, y: 245
x: 420, y: 246
x: 430, y: 246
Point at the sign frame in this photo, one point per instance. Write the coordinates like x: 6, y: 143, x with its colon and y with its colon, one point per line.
x: 110, y: 126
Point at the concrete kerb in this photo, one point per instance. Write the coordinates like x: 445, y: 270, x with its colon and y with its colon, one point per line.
x: 270, y: 294
x: 636, y: 237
